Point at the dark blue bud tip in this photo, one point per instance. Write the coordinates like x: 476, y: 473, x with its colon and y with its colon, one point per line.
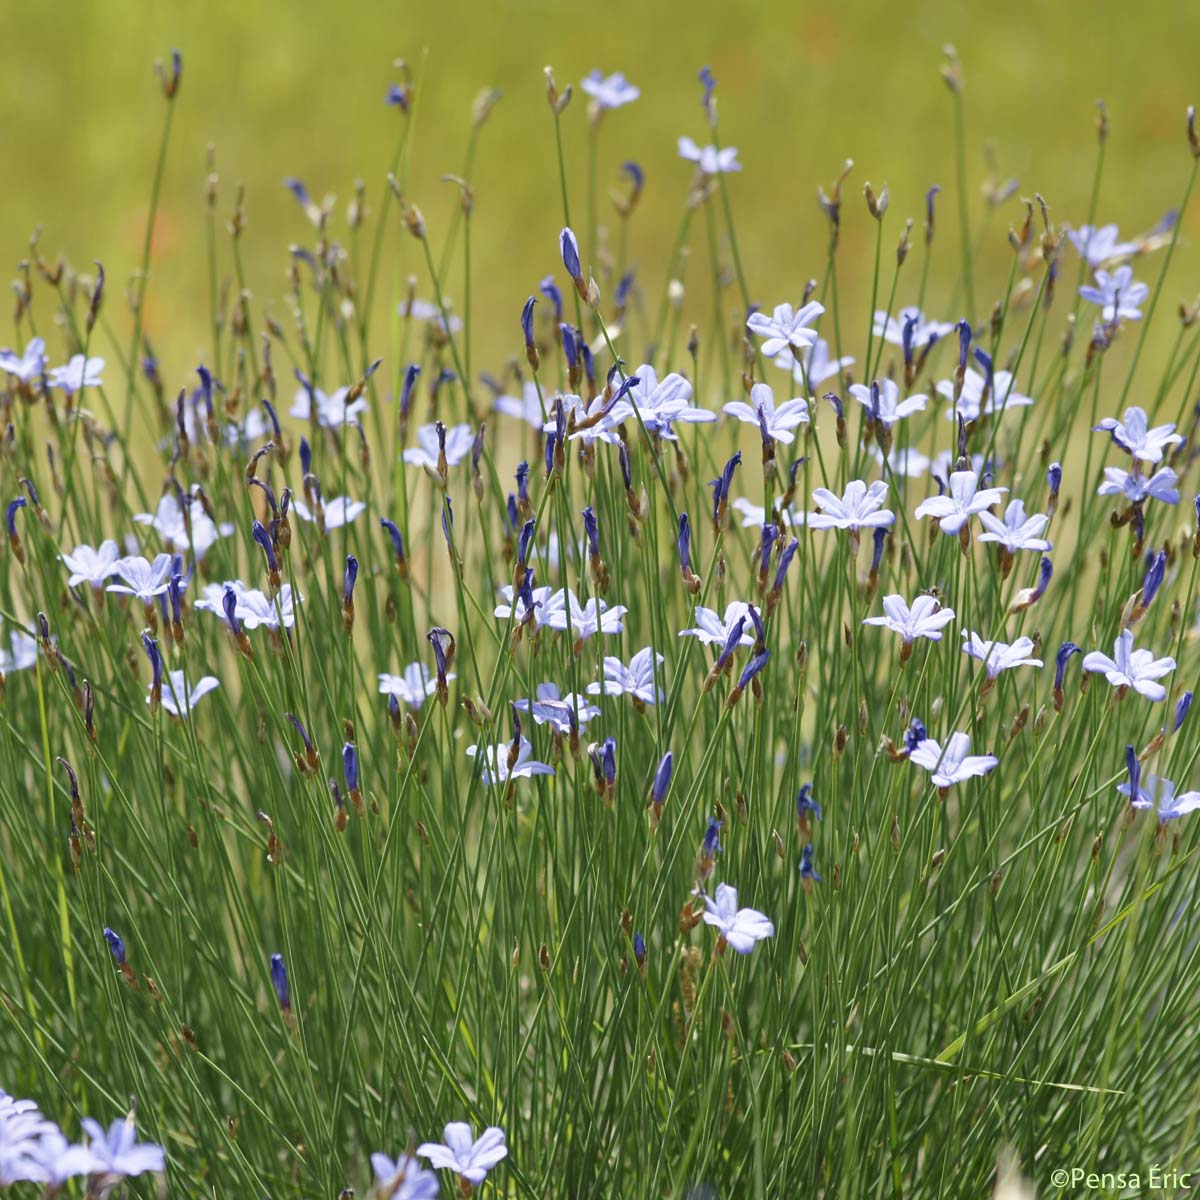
x: 116, y: 945
x: 279, y: 980
x: 569, y: 247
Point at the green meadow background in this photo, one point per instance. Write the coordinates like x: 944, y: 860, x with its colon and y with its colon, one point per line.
x: 297, y: 89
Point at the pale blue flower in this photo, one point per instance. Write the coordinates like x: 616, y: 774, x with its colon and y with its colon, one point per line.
x: 460, y: 1151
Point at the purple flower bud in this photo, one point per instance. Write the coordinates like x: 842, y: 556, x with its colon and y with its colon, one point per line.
x: 591, y: 529
x: 753, y: 667
x: 623, y: 288
x: 523, y: 482
x: 273, y: 418
x: 397, y: 97
x: 835, y: 402
x: 759, y: 632
x: 608, y: 760
x: 906, y: 339
x: 175, y: 594
x: 206, y: 389
x: 712, y: 833
x: 985, y: 361
x: 1045, y: 572
x: 1181, y: 710
x: 1135, y: 774
x: 263, y: 538
x: 305, y: 456
x: 229, y: 604
x: 570, y: 346
x: 875, y: 400
x: 709, y: 83
x: 350, y: 766
x: 807, y: 871
x: 879, y: 536
x: 627, y: 472
x: 627, y: 384
x: 785, y: 561
x: 551, y: 442
x: 662, y: 778
x: 440, y: 640
x: 156, y: 662
x: 929, y: 199
x: 350, y: 578
x: 570, y: 253
x: 393, y: 532
x: 279, y: 981
x: 266, y: 491
x: 477, y: 446
x: 589, y: 363
x: 513, y: 517
x: 525, y: 592
x: 964, y: 343
x: 10, y: 516
x: 298, y: 190
x: 448, y: 522
x: 806, y: 806
x: 410, y: 382
x: 523, y: 544
x: 639, y: 949
x: 1065, y: 651
x: 549, y: 289
x: 915, y: 734
x: 636, y: 175
x: 29, y: 487
x: 732, y: 641
x: 295, y: 724
x: 1054, y: 478
x: 770, y: 533
x: 116, y: 945
x: 1154, y: 577
x: 527, y: 322
x: 683, y: 543
x: 722, y: 485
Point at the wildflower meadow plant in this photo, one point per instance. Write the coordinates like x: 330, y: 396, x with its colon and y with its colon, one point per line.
x: 424, y: 775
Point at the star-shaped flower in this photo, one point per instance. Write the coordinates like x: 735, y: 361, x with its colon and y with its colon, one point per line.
x: 611, y: 91
x: 1099, y: 244
x: 882, y: 401
x: 860, y: 507
x: 1156, y: 792
x: 1117, y: 294
x: 179, y: 698
x: 891, y: 329
x: 999, y: 656
x: 91, y: 566
x: 740, y: 928
x: 1135, y: 436
x: 786, y: 328
x: 709, y: 159
x: 552, y: 708
x: 428, y: 450
x: 778, y: 423
x: 964, y: 500
x: 714, y: 630
x: 1130, y: 668
x: 78, y: 374
x: 636, y: 679
x: 413, y: 687
x: 1016, y: 531
x: 955, y: 763
x: 1136, y: 487
x: 339, y: 511
x: 460, y: 1151
x: 331, y: 412
x: 26, y: 367
x: 982, y: 396
x: 924, y: 618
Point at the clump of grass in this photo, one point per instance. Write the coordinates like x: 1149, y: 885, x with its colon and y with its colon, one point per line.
x: 583, y: 760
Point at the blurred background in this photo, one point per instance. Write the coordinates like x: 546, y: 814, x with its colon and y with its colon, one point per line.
x: 298, y: 89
